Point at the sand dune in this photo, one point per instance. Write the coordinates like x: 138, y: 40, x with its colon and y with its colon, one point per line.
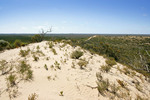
x: 74, y: 83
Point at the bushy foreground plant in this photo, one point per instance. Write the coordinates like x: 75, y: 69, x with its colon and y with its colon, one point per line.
x: 76, y: 54
x: 25, y: 71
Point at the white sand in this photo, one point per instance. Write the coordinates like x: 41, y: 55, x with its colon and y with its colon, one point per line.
x: 74, y: 82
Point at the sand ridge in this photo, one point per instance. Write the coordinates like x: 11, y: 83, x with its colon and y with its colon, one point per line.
x: 74, y: 82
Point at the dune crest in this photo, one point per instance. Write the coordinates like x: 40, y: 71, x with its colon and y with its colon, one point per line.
x: 57, y: 76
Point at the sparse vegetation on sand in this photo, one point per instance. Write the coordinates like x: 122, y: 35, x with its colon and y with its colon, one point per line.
x: 54, y: 51
x: 82, y: 64
x: 105, y: 68
x: 12, y: 80
x: 25, y: 71
x: 24, y: 53
x: 76, y: 54
x: 110, y: 61
x: 33, y: 96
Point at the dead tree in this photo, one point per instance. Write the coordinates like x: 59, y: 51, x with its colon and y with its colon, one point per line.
x: 43, y: 32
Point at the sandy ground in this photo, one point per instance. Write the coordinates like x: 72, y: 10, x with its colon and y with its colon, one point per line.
x: 75, y: 83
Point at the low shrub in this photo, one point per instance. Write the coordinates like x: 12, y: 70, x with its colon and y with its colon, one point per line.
x: 82, y: 64
x: 50, y: 45
x: 4, y: 45
x: 122, y: 84
x: 105, y: 68
x: 57, y: 65
x: 102, y: 86
x: 25, y: 71
x: 12, y: 80
x: 35, y: 58
x: 17, y: 43
x: 45, y: 66
x: 110, y: 61
x: 3, y: 67
x: 54, y: 51
x: 36, y: 38
x: 33, y: 96
x: 76, y: 54
x: 24, y: 53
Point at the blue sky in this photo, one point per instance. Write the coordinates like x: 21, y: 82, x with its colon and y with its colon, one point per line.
x: 75, y: 16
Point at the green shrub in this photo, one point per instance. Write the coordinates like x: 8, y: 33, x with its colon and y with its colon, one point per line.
x: 17, y: 43
x: 45, y: 66
x: 35, y: 58
x: 122, y: 84
x: 38, y: 47
x: 110, y: 61
x: 33, y: 96
x: 4, y: 45
x: 12, y: 80
x: 102, y: 86
x: 49, y: 77
x: 50, y: 44
x: 3, y: 67
x: 54, y: 51
x: 105, y: 68
x: 61, y: 93
x: 82, y: 63
x: 25, y: 70
x: 24, y: 53
x: 114, y: 88
x: 57, y: 65
x: 36, y: 38
x: 76, y: 54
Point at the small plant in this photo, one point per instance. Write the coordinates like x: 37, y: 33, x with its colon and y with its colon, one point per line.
x: 102, y: 86
x: 111, y: 61
x: 35, y: 58
x: 49, y: 77
x: 52, y: 66
x: 24, y: 53
x: 25, y: 71
x: 47, y: 58
x: 51, y: 45
x: 33, y: 96
x: 76, y: 54
x: 122, y: 84
x: 73, y: 65
x: 12, y: 80
x: 114, y: 88
x: 38, y: 47
x: 82, y: 63
x: 99, y: 76
x: 138, y: 87
x: 45, y: 66
x: 105, y: 68
x: 57, y: 65
x: 3, y: 67
x: 54, y: 51
x: 126, y: 70
x: 17, y: 43
x: 61, y: 93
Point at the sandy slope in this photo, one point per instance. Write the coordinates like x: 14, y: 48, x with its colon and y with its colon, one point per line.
x: 75, y: 83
